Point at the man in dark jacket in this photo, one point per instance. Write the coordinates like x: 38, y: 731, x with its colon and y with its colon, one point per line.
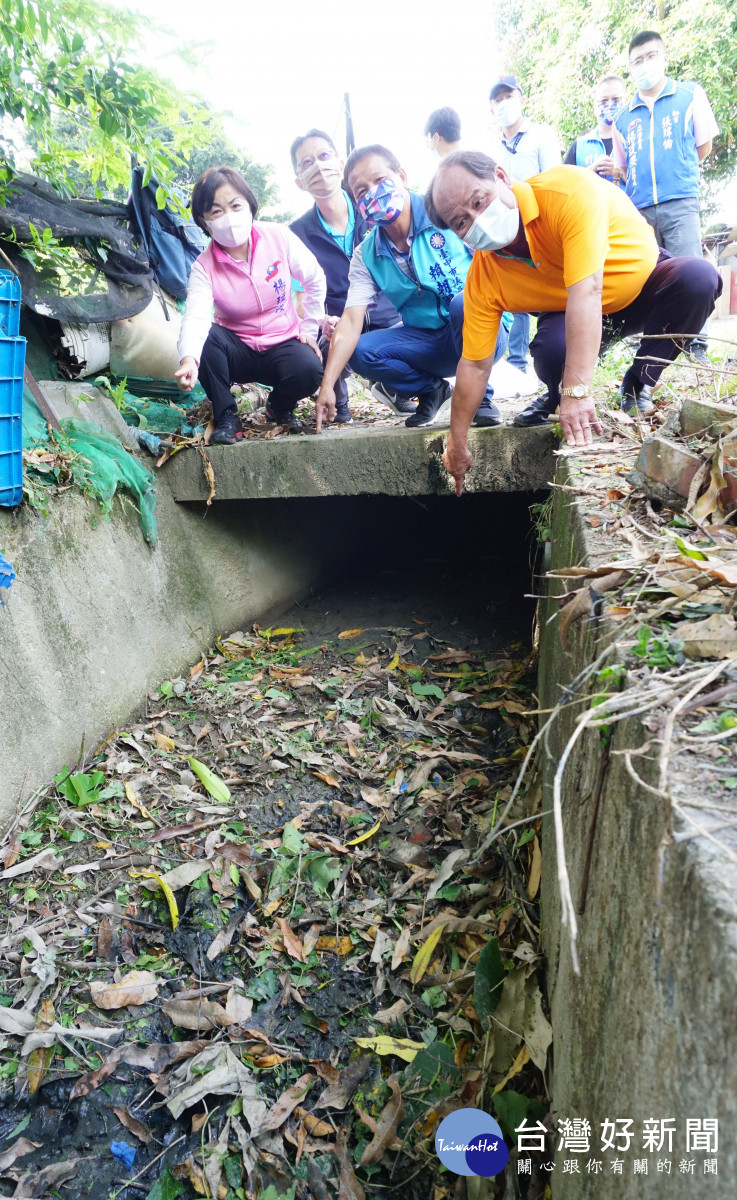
x: 332, y: 229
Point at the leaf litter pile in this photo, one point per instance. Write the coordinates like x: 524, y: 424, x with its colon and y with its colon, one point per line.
x: 260, y: 943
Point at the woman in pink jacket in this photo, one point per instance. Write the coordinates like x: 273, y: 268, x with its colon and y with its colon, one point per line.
x: 244, y: 277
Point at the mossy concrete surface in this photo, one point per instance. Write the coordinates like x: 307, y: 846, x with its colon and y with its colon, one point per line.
x: 647, y: 1030
x: 96, y: 618
x: 358, y: 460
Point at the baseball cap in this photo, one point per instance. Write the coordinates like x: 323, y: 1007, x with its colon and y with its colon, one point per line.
x: 504, y: 81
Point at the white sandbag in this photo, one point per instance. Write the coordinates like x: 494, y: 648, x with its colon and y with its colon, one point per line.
x: 145, y: 346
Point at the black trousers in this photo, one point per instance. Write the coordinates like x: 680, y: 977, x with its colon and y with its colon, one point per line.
x: 291, y: 369
x: 676, y: 299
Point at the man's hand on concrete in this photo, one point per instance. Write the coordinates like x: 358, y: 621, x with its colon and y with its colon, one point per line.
x: 328, y: 327
x: 186, y: 376
x: 310, y: 341
x: 324, y: 405
x: 578, y: 418
x: 456, y: 460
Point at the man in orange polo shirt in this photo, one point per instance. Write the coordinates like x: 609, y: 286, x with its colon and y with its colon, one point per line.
x: 567, y: 245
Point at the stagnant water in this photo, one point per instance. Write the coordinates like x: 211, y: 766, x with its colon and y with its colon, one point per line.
x: 437, y: 586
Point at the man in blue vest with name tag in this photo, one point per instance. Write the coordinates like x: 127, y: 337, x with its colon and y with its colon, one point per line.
x: 593, y: 149
x: 660, y: 139
x: 422, y: 270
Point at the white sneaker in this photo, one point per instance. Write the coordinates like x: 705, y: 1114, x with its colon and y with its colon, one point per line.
x: 509, y: 382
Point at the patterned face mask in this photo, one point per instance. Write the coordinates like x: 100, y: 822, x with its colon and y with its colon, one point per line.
x: 607, y: 111
x: 383, y: 204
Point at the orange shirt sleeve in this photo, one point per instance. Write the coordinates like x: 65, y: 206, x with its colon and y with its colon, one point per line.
x: 582, y: 225
x: 482, y: 308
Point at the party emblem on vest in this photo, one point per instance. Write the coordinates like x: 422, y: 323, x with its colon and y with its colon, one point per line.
x: 273, y: 270
x: 437, y: 241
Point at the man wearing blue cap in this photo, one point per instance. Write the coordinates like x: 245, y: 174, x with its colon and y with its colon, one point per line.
x: 524, y: 148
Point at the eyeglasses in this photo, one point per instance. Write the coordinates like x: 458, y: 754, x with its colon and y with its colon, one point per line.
x: 306, y: 163
x: 645, y: 58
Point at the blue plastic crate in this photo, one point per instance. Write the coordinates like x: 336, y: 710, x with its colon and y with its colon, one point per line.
x: 12, y: 362
x: 9, y: 304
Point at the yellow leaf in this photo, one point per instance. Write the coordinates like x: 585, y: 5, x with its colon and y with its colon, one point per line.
x: 347, y: 634
x: 361, y: 661
x: 384, y: 1044
x: 280, y: 632
x: 394, y: 663
x: 519, y: 1062
x: 39, y: 1060
x: 334, y: 945
x: 424, y: 955
x: 364, y: 837
x: 164, y: 743
x: 170, y: 897
x: 133, y: 798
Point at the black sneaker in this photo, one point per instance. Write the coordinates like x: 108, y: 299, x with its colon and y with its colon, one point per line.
x: 401, y: 405
x: 227, y: 430
x: 697, y: 353
x: 487, y: 414
x: 636, y: 396
x: 536, y: 412
x: 343, y: 416
x: 429, y: 405
x: 284, y: 418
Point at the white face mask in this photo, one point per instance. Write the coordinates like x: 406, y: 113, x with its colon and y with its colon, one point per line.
x: 649, y: 75
x: 494, y: 228
x: 232, y: 229
x: 508, y: 112
x: 323, y: 179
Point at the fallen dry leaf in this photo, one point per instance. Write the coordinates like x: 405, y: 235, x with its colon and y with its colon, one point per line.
x: 17, y: 1150
x: 137, y: 987
x: 292, y: 944
x: 349, y: 1187
x: 133, y: 1125
x: 386, y: 1126
x: 338, y: 1094
x: 285, y: 1105
x: 196, y: 1014
x: 533, y: 883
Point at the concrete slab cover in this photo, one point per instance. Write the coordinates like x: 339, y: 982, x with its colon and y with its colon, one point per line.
x: 359, y: 461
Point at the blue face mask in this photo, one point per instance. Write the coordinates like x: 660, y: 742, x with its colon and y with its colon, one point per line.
x: 383, y: 204
x: 607, y: 112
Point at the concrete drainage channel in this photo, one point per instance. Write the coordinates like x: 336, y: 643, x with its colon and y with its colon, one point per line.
x: 646, y: 1031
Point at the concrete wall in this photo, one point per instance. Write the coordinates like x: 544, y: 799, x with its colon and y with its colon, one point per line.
x: 648, y: 1029
x: 95, y: 618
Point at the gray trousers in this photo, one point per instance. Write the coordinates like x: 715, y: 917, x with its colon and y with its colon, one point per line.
x: 677, y: 228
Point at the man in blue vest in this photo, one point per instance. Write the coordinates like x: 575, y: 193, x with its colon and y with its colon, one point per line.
x: 422, y: 270
x: 332, y: 229
x: 660, y: 139
x: 593, y: 149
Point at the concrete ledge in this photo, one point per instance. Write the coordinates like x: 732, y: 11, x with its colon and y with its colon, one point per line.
x: 359, y: 461
x: 648, y: 1028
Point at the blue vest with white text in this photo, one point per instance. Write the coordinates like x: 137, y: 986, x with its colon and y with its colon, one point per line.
x: 662, y: 160
x: 439, y: 263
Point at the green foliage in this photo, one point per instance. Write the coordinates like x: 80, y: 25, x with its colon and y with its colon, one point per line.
x: 80, y: 790
x: 659, y: 652
x: 558, y: 53
x: 488, y: 980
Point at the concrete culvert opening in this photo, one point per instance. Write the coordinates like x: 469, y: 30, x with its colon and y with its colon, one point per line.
x: 316, y: 789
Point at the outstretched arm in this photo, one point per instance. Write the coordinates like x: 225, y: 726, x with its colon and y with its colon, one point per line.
x: 342, y: 344
x: 470, y: 385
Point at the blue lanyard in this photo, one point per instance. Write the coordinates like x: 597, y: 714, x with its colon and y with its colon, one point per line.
x: 512, y: 146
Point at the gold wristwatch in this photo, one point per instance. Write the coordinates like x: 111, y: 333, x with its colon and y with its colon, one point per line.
x: 579, y: 390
